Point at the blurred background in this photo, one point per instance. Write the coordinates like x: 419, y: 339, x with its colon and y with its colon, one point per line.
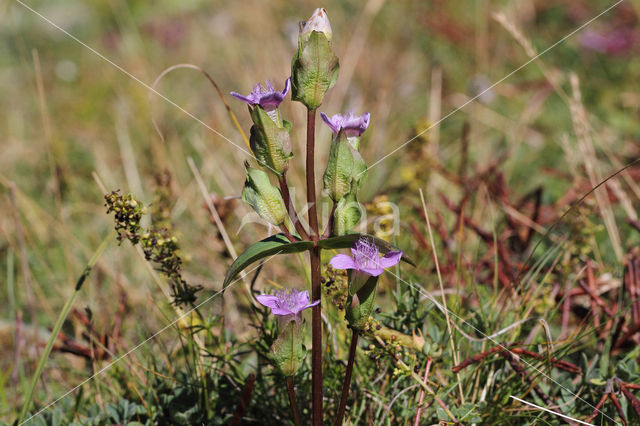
x: 73, y: 125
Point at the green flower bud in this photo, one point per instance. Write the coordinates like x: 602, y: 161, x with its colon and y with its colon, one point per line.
x: 346, y: 170
x: 270, y: 140
x: 347, y: 215
x: 265, y: 198
x: 287, y: 352
x: 314, y: 69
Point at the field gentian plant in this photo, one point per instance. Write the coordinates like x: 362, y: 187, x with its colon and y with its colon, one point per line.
x: 314, y: 71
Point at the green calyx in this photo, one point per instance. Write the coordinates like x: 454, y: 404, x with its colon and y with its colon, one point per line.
x: 287, y: 352
x: 314, y: 69
x: 270, y: 141
x: 265, y: 198
x: 361, y: 301
x: 346, y: 169
x: 347, y: 215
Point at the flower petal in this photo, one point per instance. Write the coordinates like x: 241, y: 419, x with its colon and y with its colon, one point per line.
x: 268, y: 300
x: 390, y: 259
x: 342, y: 261
x: 309, y: 305
x: 365, y: 121
x: 374, y: 272
x: 328, y: 122
x: 287, y: 86
x: 282, y: 311
x: 238, y: 96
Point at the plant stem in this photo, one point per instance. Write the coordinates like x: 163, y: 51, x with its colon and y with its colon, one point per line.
x: 316, y: 293
x: 347, y: 378
x: 287, y: 234
x: 311, y: 173
x: 293, y: 215
x: 292, y: 401
x: 58, y: 325
x: 328, y: 232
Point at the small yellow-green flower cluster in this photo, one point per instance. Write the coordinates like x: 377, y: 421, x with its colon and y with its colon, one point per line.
x: 582, y: 231
x: 128, y: 213
x: 381, y: 206
x: 335, y: 284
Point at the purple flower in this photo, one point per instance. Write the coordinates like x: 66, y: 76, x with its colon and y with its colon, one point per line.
x: 366, y: 258
x: 289, y: 302
x: 265, y: 96
x: 617, y: 41
x: 349, y: 122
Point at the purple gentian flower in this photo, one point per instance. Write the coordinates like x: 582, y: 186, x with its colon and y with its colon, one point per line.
x: 617, y: 41
x: 289, y: 302
x: 265, y: 96
x: 366, y: 258
x: 349, y: 122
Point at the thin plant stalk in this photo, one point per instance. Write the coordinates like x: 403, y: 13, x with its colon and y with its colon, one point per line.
x: 316, y: 293
x: 58, y: 325
x: 347, y: 378
x: 311, y: 174
x: 293, y: 215
x: 424, y: 380
x: 332, y: 218
x: 292, y: 401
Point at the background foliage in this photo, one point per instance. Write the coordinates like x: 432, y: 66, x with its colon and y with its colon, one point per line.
x: 496, y: 176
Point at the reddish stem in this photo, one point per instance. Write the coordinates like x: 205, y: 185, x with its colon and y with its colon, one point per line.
x: 244, y: 400
x: 424, y: 380
x: 293, y: 215
x: 597, y: 408
x: 316, y: 293
x: 292, y: 401
x: 347, y: 378
x: 327, y: 232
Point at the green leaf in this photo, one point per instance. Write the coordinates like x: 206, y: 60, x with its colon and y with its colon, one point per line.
x: 346, y: 241
x: 275, y: 244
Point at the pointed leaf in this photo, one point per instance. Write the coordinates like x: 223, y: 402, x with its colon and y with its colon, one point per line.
x: 275, y: 244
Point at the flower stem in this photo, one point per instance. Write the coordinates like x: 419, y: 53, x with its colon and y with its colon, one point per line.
x: 292, y: 401
x: 316, y: 293
x: 287, y: 234
x: 293, y: 215
x: 327, y: 232
x: 311, y: 173
x: 347, y: 378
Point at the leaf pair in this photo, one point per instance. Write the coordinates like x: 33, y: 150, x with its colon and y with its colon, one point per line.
x: 279, y: 244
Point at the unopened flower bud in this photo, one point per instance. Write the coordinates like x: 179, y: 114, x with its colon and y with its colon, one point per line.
x: 319, y: 22
x: 265, y: 198
x: 315, y: 67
